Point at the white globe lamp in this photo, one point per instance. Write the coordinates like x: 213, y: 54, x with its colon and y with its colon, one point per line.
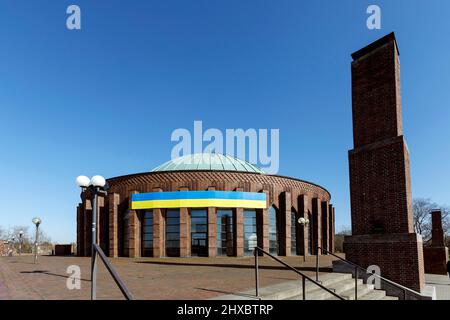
x: 83, y: 181
x: 98, y: 181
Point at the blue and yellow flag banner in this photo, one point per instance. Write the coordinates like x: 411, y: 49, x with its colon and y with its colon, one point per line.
x: 199, y: 199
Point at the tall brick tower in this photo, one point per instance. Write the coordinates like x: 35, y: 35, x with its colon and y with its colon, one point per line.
x: 436, y: 254
x: 380, y: 187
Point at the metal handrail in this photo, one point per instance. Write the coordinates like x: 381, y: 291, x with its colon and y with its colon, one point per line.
x: 402, y: 288
x: 98, y: 250
x: 304, y: 276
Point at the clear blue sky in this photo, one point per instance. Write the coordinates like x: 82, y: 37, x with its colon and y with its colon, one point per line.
x: 104, y: 100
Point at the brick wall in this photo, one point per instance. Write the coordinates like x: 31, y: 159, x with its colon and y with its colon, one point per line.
x: 380, y: 194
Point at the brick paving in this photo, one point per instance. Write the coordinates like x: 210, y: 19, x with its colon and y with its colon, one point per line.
x: 146, y: 278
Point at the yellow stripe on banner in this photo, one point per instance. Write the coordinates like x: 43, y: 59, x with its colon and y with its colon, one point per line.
x: 199, y: 203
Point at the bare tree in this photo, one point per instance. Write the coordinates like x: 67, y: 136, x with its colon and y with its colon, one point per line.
x: 422, y: 217
x: 44, y: 238
x: 345, y: 231
x: 28, y: 237
x: 446, y: 219
x: 421, y: 211
x: 15, y: 232
x: 339, y: 238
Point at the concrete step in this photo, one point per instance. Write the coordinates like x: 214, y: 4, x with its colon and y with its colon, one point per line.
x: 341, y: 283
x: 331, y: 278
x: 329, y: 281
x: 363, y: 289
x: 390, y: 298
x: 281, y: 291
x: 287, y: 290
x: 373, y: 295
x: 344, y: 285
x: 293, y: 289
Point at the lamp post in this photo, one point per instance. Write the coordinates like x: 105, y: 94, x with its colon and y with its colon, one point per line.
x: 36, y: 221
x: 20, y: 242
x: 7, y: 247
x: 13, y: 240
x: 8, y: 250
x: 304, y: 222
x: 95, y: 185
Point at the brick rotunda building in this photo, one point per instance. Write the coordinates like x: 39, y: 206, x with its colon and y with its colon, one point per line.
x: 207, y: 205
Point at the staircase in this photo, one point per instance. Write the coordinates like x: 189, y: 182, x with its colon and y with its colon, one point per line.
x: 344, y: 285
x: 330, y: 286
x: 341, y: 283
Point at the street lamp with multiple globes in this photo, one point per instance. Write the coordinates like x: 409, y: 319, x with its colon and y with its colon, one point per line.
x: 8, y: 247
x: 96, y: 185
x: 11, y: 246
x: 36, y: 221
x: 304, y: 222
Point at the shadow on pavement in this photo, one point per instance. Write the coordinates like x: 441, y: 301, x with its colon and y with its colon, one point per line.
x: 50, y: 274
x: 234, y: 266
x: 227, y: 292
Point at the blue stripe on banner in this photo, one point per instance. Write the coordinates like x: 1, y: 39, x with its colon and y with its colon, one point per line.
x: 174, y: 195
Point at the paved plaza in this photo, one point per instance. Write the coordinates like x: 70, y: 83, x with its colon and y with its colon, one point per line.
x: 146, y: 278
x: 157, y: 278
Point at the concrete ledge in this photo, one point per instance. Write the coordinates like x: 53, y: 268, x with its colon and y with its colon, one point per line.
x: 383, y: 238
x: 429, y: 291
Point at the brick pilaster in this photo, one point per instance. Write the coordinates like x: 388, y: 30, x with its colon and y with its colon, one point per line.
x: 263, y: 224
x: 303, y: 238
x: 185, y: 230
x: 134, y: 234
x: 80, y: 230
x: 331, y: 229
x: 87, y: 208
x: 239, y: 227
x: 212, y: 229
x: 159, y: 225
x: 316, y: 224
x: 101, y: 232
x: 325, y: 226
x: 284, y: 224
x: 113, y: 207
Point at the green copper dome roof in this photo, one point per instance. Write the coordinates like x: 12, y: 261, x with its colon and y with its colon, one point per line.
x: 207, y: 161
